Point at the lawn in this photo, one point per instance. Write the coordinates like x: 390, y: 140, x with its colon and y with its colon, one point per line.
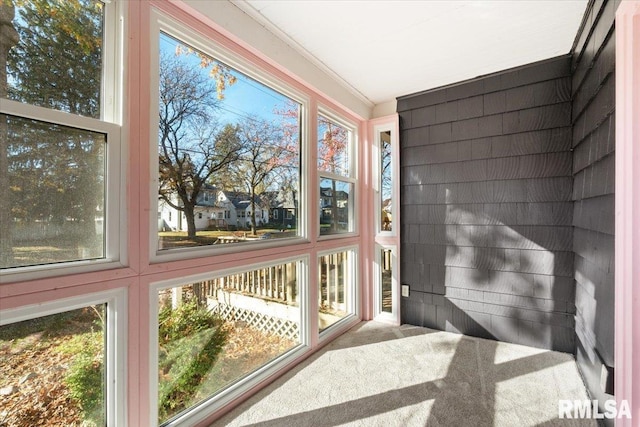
x: 177, y: 239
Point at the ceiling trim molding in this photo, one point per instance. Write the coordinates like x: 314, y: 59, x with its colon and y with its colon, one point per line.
x: 275, y: 30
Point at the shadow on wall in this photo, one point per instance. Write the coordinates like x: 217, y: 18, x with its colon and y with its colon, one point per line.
x: 507, y: 282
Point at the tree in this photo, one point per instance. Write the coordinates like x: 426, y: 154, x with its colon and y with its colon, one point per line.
x: 333, y: 144
x: 386, y: 181
x: 8, y: 39
x: 290, y: 175
x: 191, y: 146
x: 267, y: 153
x: 54, y: 172
x: 58, y: 62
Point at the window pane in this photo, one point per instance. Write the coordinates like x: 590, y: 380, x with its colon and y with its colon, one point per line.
x: 213, y: 333
x: 386, y: 274
x: 53, y: 369
x: 336, y: 206
x: 336, y: 288
x: 385, y: 181
x: 229, y: 149
x: 56, y: 59
x: 333, y: 147
x: 56, y: 180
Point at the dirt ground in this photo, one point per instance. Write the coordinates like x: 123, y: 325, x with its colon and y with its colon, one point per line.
x: 32, y: 388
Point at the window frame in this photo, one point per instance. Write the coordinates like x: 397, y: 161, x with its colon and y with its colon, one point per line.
x: 115, y: 347
x: 161, y: 23
x: 378, y: 313
x: 353, y: 315
x: 202, y: 410
x: 110, y: 125
x: 351, y: 178
x: 377, y: 181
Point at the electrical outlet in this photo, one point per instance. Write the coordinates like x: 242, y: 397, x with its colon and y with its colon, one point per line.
x: 405, y: 290
x: 606, y: 379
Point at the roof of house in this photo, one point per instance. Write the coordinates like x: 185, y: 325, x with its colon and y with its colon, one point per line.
x: 241, y: 200
x: 212, y: 191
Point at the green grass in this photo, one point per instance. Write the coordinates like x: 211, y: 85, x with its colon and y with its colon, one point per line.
x: 173, y: 239
x: 77, y: 334
x: 190, y: 340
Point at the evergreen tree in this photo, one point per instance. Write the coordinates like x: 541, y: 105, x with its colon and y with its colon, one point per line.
x: 55, y: 173
x: 8, y: 39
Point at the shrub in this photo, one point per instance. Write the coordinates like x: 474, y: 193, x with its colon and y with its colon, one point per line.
x: 85, y: 376
x: 190, y: 340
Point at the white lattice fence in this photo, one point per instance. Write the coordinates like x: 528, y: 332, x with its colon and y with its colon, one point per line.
x: 273, y: 325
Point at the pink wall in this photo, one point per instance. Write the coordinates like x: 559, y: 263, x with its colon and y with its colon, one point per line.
x: 627, y: 265
x: 139, y: 272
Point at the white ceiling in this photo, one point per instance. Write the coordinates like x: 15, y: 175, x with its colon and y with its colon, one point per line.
x: 382, y: 49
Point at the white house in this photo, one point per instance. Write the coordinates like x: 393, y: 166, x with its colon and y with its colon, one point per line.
x: 214, y: 209
x: 238, y: 206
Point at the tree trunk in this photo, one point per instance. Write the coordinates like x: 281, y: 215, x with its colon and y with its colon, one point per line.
x: 199, y: 294
x: 6, y: 238
x: 191, y: 220
x: 92, y: 198
x: 8, y: 38
x: 252, y: 203
x: 334, y: 207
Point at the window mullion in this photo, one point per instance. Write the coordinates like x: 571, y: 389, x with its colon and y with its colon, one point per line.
x: 19, y: 109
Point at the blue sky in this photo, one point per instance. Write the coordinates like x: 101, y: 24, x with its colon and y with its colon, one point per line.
x: 244, y: 98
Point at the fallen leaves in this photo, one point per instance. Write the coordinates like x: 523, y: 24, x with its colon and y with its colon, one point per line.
x: 33, y: 372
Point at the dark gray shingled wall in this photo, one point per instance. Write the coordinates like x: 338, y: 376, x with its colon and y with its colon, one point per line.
x: 508, y: 203
x: 593, y: 117
x: 486, y: 194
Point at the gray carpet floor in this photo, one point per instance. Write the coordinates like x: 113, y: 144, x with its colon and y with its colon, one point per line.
x: 381, y: 375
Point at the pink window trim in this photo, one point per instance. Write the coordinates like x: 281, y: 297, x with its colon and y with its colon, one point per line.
x: 627, y: 208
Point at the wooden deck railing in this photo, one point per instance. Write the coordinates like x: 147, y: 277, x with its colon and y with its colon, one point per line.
x: 279, y: 283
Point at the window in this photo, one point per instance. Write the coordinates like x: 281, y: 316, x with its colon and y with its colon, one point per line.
x: 237, y: 135
x: 66, y: 172
x: 336, y: 203
x: 62, y: 142
x: 336, y: 174
x: 215, y: 331
x: 386, y: 184
x: 337, y: 284
x: 386, y: 279
x: 60, y: 363
x: 385, y: 285
x: 386, y: 276
x: 57, y: 185
x: 74, y: 341
x: 384, y: 172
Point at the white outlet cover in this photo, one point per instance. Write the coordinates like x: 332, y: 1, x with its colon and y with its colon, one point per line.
x: 405, y: 290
